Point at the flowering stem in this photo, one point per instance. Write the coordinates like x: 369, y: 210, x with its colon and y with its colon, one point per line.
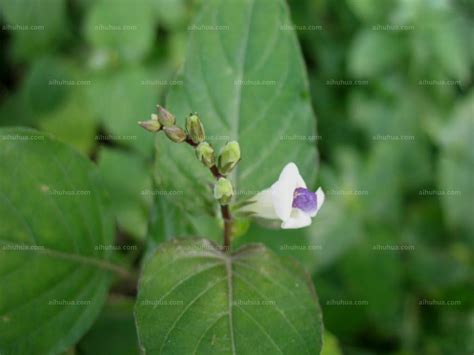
x: 190, y: 142
x: 225, y: 211
x: 227, y: 227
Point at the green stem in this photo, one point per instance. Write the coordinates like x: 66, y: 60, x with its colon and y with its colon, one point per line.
x: 227, y: 227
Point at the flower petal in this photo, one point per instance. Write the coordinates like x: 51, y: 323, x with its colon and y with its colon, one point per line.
x: 320, y: 197
x: 262, y: 205
x: 298, y: 219
x: 282, y: 190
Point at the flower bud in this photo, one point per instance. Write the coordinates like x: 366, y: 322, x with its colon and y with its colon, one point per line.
x: 152, y: 125
x: 195, y: 129
x: 223, y: 191
x: 175, y: 133
x: 205, y: 154
x: 165, y: 118
x: 228, y: 157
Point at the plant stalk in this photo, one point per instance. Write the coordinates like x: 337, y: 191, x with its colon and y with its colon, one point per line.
x: 225, y: 211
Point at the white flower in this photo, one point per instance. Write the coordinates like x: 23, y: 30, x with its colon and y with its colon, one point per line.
x: 288, y: 200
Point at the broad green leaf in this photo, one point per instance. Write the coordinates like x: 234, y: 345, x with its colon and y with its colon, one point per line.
x: 114, y: 331
x: 121, y: 27
x: 54, y: 275
x: 15, y: 110
x: 245, y: 76
x: 131, y: 197
x: 195, y: 299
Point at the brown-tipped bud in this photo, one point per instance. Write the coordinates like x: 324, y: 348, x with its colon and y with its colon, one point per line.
x: 195, y: 129
x: 205, y: 154
x: 223, y: 191
x: 152, y: 125
x: 165, y: 118
x: 175, y: 134
x: 228, y: 157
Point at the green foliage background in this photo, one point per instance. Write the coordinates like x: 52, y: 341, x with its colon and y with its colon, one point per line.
x: 391, y: 85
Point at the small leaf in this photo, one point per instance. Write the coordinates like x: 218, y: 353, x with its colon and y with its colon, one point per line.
x: 195, y: 299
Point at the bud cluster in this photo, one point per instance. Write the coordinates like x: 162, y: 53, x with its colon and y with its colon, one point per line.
x: 228, y: 158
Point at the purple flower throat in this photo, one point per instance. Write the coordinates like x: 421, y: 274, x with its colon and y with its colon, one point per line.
x: 304, y: 200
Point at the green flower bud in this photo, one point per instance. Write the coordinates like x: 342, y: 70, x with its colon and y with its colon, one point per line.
x: 165, y: 117
x: 195, y: 129
x: 223, y: 191
x: 175, y: 133
x: 228, y: 157
x: 205, y: 154
x: 152, y: 125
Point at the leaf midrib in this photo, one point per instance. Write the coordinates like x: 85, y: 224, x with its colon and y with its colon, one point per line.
x: 235, y: 123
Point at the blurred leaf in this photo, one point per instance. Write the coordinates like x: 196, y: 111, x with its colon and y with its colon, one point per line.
x: 113, y: 333
x: 331, y: 236
x: 433, y: 269
x: 330, y: 345
x: 72, y: 123
x: 48, y: 84
x: 452, y: 333
x: 371, y: 11
x: 373, y: 52
x: 379, y: 272
x: 455, y: 137
x: 172, y: 13
x: 456, y: 169
x: 130, y: 197
x: 383, y: 200
x: 38, y: 26
x: 54, y: 278
x: 124, y: 28
x: 121, y: 100
x: 15, y: 110
x: 195, y: 299
x: 451, y: 45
